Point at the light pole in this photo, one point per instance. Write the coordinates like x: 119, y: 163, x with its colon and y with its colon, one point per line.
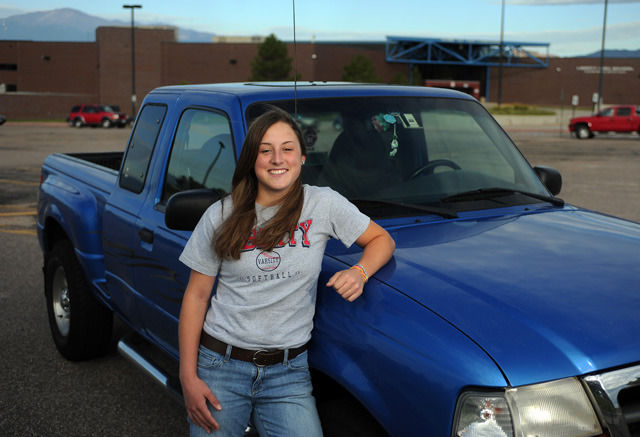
x: 604, y: 29
x: 501, y: 56
x: 133, y: 60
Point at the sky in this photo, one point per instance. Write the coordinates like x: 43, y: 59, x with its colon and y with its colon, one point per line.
x: 572, y: 27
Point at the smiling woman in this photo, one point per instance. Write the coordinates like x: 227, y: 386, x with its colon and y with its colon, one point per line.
x: 278, y: 164
x: 260, y: 317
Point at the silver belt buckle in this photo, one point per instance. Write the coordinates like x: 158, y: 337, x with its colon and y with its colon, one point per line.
x: 255, y: 356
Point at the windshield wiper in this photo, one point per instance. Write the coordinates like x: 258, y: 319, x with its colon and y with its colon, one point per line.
x: 442, y: 212
x: 489, y: 193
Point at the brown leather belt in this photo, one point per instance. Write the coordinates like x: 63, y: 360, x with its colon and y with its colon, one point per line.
x: 260, y: 358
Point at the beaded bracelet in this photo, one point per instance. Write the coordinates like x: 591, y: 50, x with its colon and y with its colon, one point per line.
x: 361, y: 270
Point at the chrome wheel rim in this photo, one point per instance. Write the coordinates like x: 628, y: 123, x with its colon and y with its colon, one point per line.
x: 61, y: 301
x: 583, y: 133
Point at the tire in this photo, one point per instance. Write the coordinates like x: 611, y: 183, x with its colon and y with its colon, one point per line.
x: 78, y: 122
x: 345, y: 417
x: 106, y: 123
x: 80, y: 325
x: 583, y: 132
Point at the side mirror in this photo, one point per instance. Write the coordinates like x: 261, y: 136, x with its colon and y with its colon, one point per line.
x: 185, y: 208
x: 550, y: 178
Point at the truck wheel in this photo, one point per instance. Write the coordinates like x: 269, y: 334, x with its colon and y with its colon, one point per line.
x: 106, y: 123
x: 80, y: 325
x: 78, y: 122
x: 583, y: 132
x: 345, y: 417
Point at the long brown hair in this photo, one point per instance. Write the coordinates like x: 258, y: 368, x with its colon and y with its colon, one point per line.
x: 236, y: 229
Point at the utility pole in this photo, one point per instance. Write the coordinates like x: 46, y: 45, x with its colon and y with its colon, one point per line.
x: 501, y: 56
x: 604, y: 29
x: 133, y: 59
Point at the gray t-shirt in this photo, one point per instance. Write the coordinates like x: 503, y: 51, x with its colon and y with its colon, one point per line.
x: 266, y: 300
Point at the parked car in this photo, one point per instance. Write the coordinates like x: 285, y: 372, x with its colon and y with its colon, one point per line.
x: 2, y: 119
x: 624, y: 118
x: 97, y: 115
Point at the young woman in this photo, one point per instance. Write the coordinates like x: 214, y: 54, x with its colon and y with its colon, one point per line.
x: 243, y: 358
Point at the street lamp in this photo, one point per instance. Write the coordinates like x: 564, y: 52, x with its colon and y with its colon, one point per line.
x: 604, y: 30
x: 501, y: 56
x: 133, y: 59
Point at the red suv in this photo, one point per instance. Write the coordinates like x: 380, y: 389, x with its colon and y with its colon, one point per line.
x: 97, y: 115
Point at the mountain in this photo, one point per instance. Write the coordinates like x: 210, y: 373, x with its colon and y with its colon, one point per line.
x: 615, y: 54
x: 72, y: 25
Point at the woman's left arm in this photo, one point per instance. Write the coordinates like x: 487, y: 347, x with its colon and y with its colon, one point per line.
x: 378, y: 248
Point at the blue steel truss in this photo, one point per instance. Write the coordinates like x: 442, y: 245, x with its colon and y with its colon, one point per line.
x: 464, y: 52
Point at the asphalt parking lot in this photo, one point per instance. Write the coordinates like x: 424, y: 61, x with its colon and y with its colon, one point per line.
x: 43, y: 394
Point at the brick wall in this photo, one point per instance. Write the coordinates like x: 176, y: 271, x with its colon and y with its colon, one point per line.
x: 566, y: 77
x: 52, y: 76
x: 114, y: 58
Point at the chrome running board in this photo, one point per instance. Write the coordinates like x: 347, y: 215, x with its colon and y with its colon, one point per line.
x: 127, y: 348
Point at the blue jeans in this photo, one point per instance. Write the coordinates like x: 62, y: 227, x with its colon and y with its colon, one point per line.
x: 276, y: 399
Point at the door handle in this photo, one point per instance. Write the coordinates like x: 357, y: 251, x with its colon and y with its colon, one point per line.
x: 146, y: 235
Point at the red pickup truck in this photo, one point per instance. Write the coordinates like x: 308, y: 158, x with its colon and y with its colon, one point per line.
x: 623, y: 118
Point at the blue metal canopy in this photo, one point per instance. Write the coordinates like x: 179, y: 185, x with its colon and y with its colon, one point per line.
x: 464, y: 52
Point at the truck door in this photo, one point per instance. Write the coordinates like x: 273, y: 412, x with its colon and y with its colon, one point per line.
x: 89, y: 113
x: 604, y: 121
x: 121, y: 213
x: 202, y: 156
x: 624, y: 120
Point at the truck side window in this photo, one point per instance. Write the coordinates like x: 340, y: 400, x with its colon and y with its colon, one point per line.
x: 202, y: 155
x: 607, y: 112
x: 136, y: 162
x: 624, y: 112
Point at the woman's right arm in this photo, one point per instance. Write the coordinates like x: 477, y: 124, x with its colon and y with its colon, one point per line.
x: 196, y: 393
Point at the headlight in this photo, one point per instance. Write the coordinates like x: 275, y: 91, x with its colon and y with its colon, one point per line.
x: 552, y: 409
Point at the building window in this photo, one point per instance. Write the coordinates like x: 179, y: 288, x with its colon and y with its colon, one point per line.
x: 9, y: 67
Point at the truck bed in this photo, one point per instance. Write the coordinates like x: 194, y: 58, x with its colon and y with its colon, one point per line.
x: 110, y: 160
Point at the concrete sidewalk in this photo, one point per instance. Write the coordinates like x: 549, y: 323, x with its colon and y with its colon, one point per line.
x: 559, y: 122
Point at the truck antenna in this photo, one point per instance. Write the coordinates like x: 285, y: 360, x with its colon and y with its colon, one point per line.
x: 295, y: 64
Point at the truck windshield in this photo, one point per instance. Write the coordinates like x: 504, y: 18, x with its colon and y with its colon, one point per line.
x: 413, y: 151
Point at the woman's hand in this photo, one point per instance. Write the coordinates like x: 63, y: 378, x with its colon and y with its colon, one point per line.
x: 348, y: 283
x: 378, y: 248
x: 195, y: 391
x: 196, y: 395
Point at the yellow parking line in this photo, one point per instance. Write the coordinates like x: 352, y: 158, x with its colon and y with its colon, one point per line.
x: 13, y: 181
x: 18, y: 232
x: 18, y: 213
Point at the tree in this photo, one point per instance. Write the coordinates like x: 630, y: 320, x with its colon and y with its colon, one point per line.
x: 360, y: 69
x: 271, y: 62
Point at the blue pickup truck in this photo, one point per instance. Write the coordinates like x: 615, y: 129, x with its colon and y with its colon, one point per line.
x: 504, y: 311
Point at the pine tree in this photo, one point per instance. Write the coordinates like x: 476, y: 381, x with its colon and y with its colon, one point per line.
x: 360, y: 69
x: 271, y: 62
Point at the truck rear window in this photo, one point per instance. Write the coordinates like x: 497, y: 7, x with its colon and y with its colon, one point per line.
x: 143, y: 140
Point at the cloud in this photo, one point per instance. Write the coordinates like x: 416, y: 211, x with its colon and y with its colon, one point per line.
x: 577, y: 42
x: 7, y: 11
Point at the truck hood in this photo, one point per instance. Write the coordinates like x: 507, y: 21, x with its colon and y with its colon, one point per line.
x: 546, y: 295
x: 585, y: 119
